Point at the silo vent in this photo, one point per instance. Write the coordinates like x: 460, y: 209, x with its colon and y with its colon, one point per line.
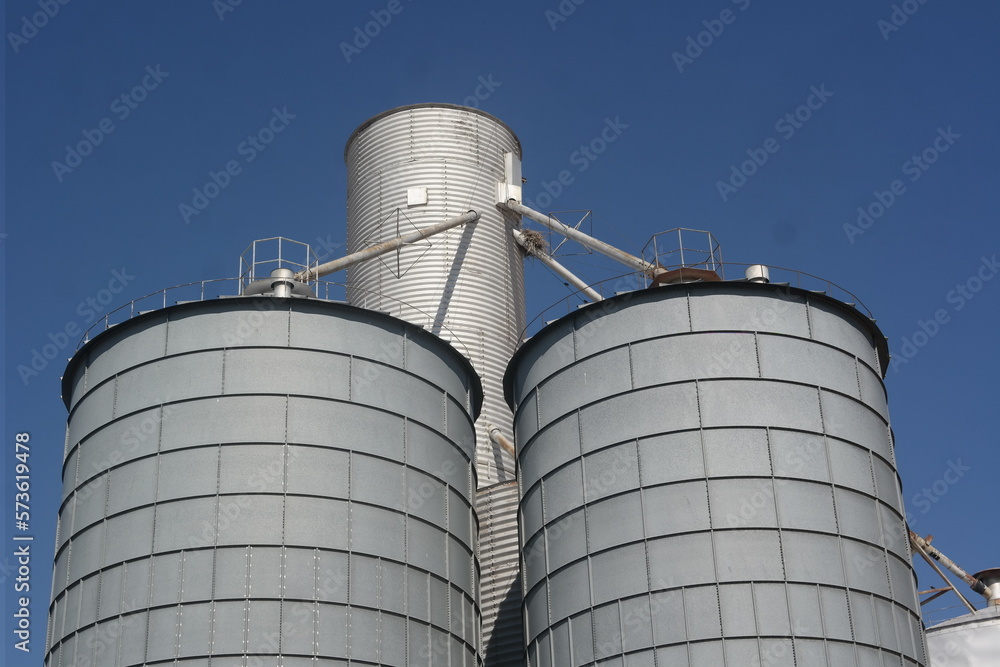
x: 758, y: 273
x: 991, y: 579
x: 269, y: 267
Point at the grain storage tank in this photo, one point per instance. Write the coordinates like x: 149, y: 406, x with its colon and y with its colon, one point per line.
x: 261, y: 481
x: 412, y: 167
x: 708, y: 478
x: 418, y: 165
x: 971, y: 640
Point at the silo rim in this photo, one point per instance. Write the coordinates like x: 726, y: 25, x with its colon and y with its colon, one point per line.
x: 83, y: 354
x: 985, y: 616
x: 881, y: 342
x: 428, y: 105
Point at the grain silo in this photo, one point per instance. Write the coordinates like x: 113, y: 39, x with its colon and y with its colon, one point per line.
x: 973, y: 639
x: 408, y: 169
x: 267, y: 480
x: 708, y: 478
x: 418, y: 165
x: 705, y: 471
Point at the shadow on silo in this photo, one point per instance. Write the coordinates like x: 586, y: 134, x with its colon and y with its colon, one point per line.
x: 506, y: 645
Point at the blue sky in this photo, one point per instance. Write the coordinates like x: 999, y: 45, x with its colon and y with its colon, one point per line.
x: 890, y: 108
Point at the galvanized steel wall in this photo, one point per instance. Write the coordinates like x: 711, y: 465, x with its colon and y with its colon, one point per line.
x: 708, y: 477
x: 252, y: 478
x: 467, y: 284
x: 500, y: 583
x: 972, y: 640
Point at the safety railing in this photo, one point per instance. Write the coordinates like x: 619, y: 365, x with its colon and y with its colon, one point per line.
x: 628, y: 282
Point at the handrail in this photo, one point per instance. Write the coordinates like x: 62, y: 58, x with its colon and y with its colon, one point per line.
x: 212, y: 289
x: 209, y: 289
x: 780, y: 275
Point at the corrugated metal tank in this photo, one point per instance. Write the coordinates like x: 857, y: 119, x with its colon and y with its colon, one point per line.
x: 467, y: 284
x: 708, y: 478
x: 250, y: 478
x: 972, y: 640
x: 500, y: 582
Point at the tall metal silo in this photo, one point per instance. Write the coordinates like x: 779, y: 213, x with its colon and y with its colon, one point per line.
x: 260, y: 481
x: 412, y: 167
x: 708, y: 478
x: 417, y: 165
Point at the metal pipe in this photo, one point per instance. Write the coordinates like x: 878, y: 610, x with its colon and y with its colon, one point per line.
x: 498, y: 438
x: 934, y: 566
x: 556, y: 267
x: 925, y: 548
x: 382, y: 248
x: 938, y: 592
x: 585, y: 239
